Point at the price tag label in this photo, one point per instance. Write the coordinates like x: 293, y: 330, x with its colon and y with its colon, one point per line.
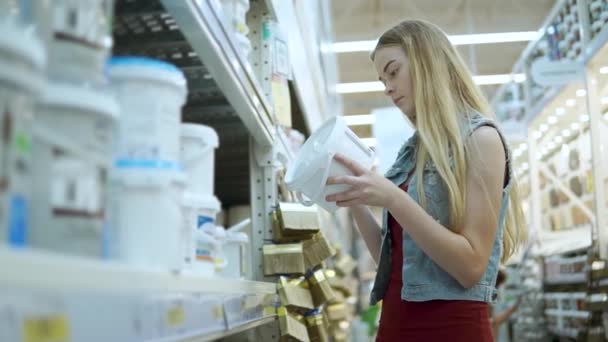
x: 53, y: 328
x: 176, y: 316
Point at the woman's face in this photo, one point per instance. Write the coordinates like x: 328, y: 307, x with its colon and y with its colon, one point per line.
x: 393, y: 68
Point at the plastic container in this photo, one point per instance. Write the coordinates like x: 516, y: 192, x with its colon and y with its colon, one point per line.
x: 206, y: 250
x: 314, y: 163
x: 22, y: 62
x: 235, y: 12
x: 151, y: 94
x: 198, y: 144
x: 235, y: 249
x: 146, y: 218
x: 221, y: 261
x: 80, y: 40
x: 72, y: 155
x: 200, y: 213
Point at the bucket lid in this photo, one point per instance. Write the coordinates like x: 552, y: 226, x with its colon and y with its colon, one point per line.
x: 309, y: 159
x: 202, y: 201
x: 205, y: 237
x: 192, y: 130
x: 25, y: 45
x: 71, y: 96
x: 148, y: 177
x: 220, y: 233
x: 238, y: 237
x: 121, y: 68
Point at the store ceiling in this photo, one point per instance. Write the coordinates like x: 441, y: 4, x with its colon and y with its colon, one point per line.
x: 366, y: 19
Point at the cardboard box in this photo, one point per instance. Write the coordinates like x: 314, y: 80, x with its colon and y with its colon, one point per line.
x: 292, y: 294
x: 292, y: 326
x: 316, y: 250
x: 294, y: 222
x: 284, y: 259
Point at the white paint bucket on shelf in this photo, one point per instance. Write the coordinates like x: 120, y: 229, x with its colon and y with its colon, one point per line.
x: 146, y: 220
x: 150, y: 93
x: 200, y: 212
x: 72, y: 155
x: 198, y: 144
x: 22, y: 62
x: 314, y: 164
x: 80, y: 40
x: 206, y: 250
x: 235, y: 249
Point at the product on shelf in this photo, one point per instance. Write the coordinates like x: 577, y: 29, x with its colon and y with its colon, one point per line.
x: 316, y: 250
x: 317, y: 327
x: 198, y: 143
x: 151, y: 94
x: 293, y: 294
x: 22, y: 62
x: 200, y: 213
x: 320, y: 288
x: 72, y: 157
x: 284, y: 259
x: 292, y: 326
x: 236, y: 251
x: 80, y: 40
x: 314, y: 163
x: 147, y: 222
x: 294, y: 222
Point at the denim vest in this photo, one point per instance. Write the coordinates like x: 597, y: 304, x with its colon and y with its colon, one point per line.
x: 423, y: 279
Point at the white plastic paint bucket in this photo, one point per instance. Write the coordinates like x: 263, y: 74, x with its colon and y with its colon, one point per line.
x: 235, y: 249
x: 206, y: 250
x: 198, y: 144
x: 146, y: 218
x: 80, y: 40
x: 200, y: 212
x: 150, y: 93
x: 72, y: 155
x: 308, y: 174
x: 22, y: 62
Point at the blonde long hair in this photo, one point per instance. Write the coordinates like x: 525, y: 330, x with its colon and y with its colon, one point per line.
x: 444, y: 93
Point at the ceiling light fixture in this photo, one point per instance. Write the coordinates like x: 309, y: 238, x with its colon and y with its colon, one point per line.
x: 581, y: 92
x: 559, y: 111
x: 537, y: 134
x: 375, y: 86
x: 604, y: 70
x: 575, y: 126
x: 523, y: 146
x: 543, y: 128
x: 559, y: 139
x: 461, y: 39
x: 551, y: 120
x: 570, y: 102
x: 604, y: 100
x: 584, y: 118
x: 566, y: 133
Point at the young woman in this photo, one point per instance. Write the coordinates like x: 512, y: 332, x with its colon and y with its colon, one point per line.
x: 451, y: 208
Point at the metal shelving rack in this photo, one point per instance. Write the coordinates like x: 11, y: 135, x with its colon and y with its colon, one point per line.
x: 64, y: 298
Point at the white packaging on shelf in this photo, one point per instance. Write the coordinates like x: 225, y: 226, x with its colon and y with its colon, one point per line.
x: 198, y: 144
x: 146, y: 218
x: 22, y: 62
x: 235, y: 12
x: 150, y: 93
x: 221, y: 261
x: 198, y: 243
x: 235, y: 249
x: 308, y: 174
x: 72, y: 155
x: 80, y: 40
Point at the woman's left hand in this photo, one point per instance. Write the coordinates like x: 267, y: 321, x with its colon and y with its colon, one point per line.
x: 368, y: 187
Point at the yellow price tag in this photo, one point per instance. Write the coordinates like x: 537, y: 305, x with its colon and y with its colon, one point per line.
x: 175, y: 316
x: 218, y: 312
x: 46, y: 329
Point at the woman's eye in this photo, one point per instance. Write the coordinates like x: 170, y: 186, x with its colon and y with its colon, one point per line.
x: 394, y: 72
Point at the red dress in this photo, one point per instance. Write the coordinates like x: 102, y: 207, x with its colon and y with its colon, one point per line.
x: 436, y: 320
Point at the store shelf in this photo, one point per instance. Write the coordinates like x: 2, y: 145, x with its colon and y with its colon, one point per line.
x: 574, y: 278
x: 22, y: 269
x: 202, y: 24
x: 567, y: 313
x: 215, y: 336
x: 565, y: 332
x: 596, y: 45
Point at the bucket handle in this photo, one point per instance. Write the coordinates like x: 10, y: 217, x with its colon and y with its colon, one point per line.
x: 319, y: 192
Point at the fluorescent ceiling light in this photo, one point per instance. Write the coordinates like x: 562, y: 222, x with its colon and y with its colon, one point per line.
x: 581, y: 92
x: 584, y: 118
x: 357, y: 120
x: 560, y: 111
x: 551, y: 145
x: 570, y: 102
x: 537, y: 135
x: 543, y: 128
x: 566, y: 133
x: 551, y: 120
x: 604, y: 70
x: 461, y: 39
x: 559, y: 139
x: 366, y: 87
x: 371, y: 142
x: 575, y: 126
x: 523, y: 146
x: 604, y: 100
